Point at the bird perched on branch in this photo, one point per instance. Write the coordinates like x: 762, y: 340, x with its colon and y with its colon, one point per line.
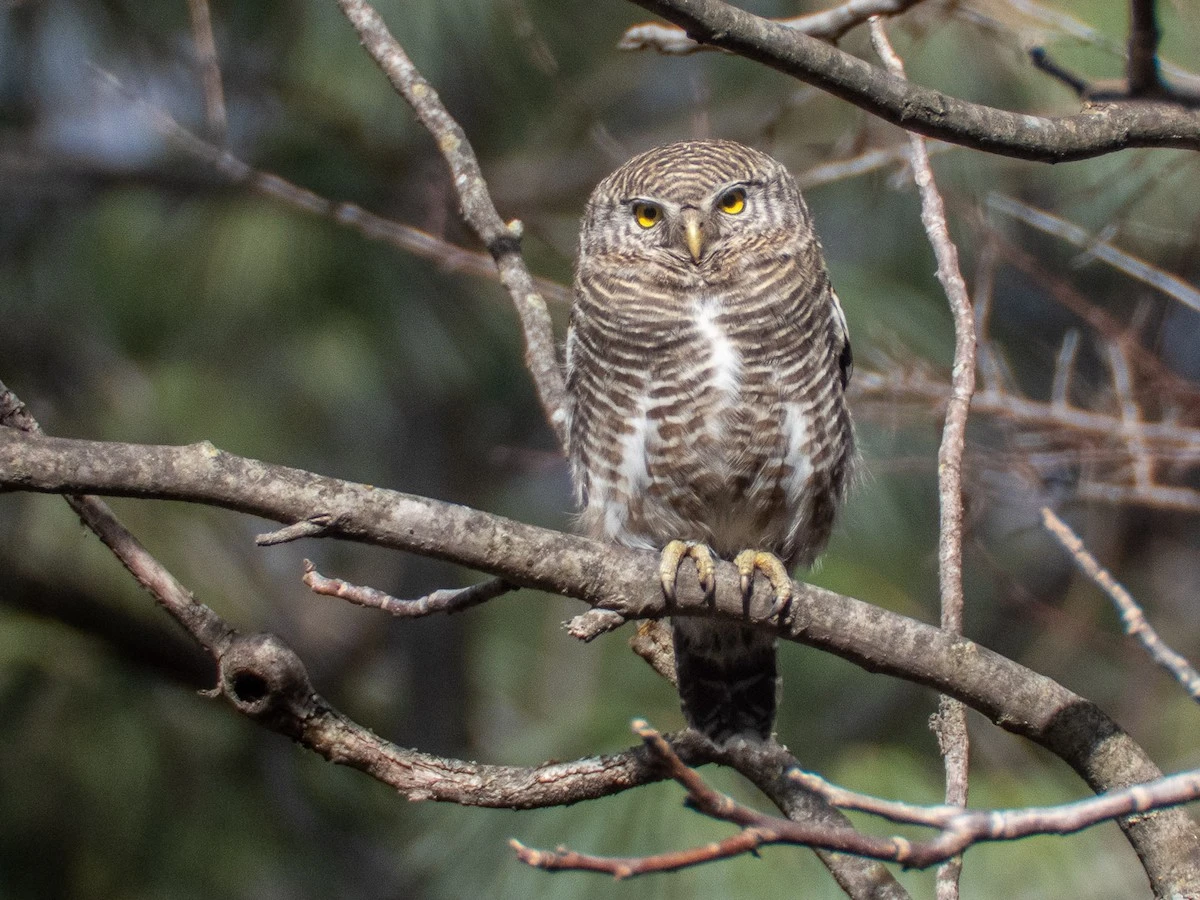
x: 707, y: 362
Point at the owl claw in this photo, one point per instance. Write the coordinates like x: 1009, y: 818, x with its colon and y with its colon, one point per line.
x: 771, y: 566
x: 668, y: 567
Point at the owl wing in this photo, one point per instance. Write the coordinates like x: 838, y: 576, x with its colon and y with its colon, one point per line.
x: 842, y: 339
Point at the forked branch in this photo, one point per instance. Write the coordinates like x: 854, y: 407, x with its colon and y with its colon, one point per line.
x: 958, y: 828
x: 1094, y: 132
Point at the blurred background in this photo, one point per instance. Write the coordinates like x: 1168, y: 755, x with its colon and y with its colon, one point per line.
x: 147, y: 296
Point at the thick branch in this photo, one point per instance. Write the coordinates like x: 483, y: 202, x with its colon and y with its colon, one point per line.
x: 625, y: 581
x: 1097, y: 131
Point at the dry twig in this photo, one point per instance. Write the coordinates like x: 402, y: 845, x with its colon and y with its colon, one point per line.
x: 502, y: 240
x: 445, y: 601
x: 950, y: 722
x: 1132, y: 616
x: 215, y: 118
x: 1169, y: 284
x: 1090, y: 435
x: 448, y: 256
x: 829, y: 25
x: 958, y: 828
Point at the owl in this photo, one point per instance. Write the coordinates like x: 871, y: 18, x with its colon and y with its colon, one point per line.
x: 707, y: 362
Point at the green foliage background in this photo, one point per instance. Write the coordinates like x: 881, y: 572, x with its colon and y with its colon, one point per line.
x: 143, y: 298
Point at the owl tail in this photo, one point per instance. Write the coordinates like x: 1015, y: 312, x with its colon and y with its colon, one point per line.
x: 727, y: 679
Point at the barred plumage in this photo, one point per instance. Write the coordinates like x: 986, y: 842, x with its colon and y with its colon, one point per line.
x: 706, y: 364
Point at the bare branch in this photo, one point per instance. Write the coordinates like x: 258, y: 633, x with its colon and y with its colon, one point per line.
x: 1132, y: 616
x: 502, y: 240
x: 1142, y: 66
x: 829, y: 25
x: 626, y: 582
x: 266, y: 681
x: 1118, y: 259
x: 204, y: 625
x: 1094, y: 132
x: 1090, y: 430
x: 449, y: 257
x: 210, y: 70
x: 950, y: 722
x: 870, y: 161
x: 962, y: 828
x: 1064, y: 365
x: 444, y: 601
x: 1131, y: 417
x: 959, y: 829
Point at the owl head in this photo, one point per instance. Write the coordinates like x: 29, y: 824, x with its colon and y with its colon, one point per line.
x: 694, y: 207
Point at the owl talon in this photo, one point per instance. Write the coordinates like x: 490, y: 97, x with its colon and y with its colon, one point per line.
x: 668, y: 567
x: 771, y: 566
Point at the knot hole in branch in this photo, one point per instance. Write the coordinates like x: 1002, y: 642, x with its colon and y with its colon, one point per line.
x: 265, y: 679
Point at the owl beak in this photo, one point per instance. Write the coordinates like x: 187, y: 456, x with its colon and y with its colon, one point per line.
x: 693, y: 233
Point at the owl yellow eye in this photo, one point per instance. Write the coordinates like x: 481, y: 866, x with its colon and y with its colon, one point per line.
x: 647, y: 214
x: 732, y: 202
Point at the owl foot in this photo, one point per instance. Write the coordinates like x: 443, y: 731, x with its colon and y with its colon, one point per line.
x: 769, y: 564
x: 668, y: 567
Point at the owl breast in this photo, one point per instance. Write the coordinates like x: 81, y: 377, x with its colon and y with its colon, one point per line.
x: 720, y: 435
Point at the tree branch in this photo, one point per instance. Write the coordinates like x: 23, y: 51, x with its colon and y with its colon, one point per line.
x: 625, y: 581
x: 959, y: 828
x: 215, y: 119
x: 1098, y: 130
x: 828, y: 25
x: 502, y: 240
x: 1132, y: 616
x: 1142, y: 67
x: 445, y: 601
x: 950, y: 721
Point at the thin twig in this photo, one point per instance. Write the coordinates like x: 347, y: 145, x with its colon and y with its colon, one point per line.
x: 1012, y: 824
x: 950, y: 722
x: 1107, y: 326
x: 1064, y: 366
x: 445, y: 601
x: 502, y: 240
x: 1169, y: 284
x: 958, y: 828
x: 829, y: 25
x: 313, y: 526
x: 1132, y: 616
x: 215, y: 118
x: 870, y: 161
x: 1131, y: 417
x: 991, y: 370
x: 1041, y: 60
x: 449, y: 257
x: 1089, y: 432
